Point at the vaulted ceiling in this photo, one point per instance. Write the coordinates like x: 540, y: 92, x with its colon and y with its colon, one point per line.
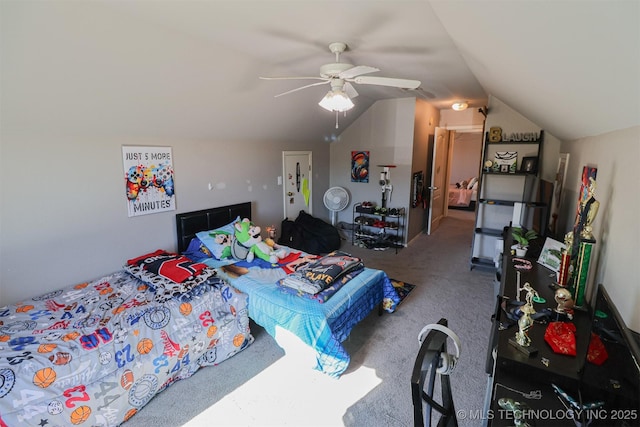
x: 190, y: 69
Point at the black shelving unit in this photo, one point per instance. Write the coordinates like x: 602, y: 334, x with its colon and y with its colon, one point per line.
x: 498, y: 193
x: 378, y: 228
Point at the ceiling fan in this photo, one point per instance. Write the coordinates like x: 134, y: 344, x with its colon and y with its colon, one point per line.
x: 340, y: 76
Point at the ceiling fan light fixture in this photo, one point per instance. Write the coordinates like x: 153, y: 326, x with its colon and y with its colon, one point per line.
x: 460, y: 105
x: 336, y: 100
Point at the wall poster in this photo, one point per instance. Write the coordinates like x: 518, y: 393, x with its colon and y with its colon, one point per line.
x: 148, y: 178
x: 359, y: 166
x: 588, y: 174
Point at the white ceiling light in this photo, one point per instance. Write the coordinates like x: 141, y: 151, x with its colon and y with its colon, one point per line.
x: 460, y: 105
x: 336, y: 100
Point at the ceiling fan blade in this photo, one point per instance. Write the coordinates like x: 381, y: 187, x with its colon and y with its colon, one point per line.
x: 358, y: 70
x: 294, y: 78
x: 350, y: 90
x: 387, y: 81
x: 300, y: 88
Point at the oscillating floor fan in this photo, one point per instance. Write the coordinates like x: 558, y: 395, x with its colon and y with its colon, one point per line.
x: 335, y: 199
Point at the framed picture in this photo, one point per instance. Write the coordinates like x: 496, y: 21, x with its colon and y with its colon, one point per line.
x: 551, y: 254
x: 359, y: 166
x: 148, y: 179
x: 529, y: 165
x: 505, y: 161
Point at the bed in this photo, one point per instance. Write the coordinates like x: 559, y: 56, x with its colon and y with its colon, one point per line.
x: 94, y: 353
x: 463, y: 195
x: 320, y: 326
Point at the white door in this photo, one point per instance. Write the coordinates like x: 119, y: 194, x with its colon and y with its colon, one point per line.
x: 296, y: 166
x: 438, y: 187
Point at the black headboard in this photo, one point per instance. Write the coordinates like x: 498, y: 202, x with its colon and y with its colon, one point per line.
x: 189, y: 223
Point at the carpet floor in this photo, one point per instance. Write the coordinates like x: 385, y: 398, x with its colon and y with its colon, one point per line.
x: 264, y: 386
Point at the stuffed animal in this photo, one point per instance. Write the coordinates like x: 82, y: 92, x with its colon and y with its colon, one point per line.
x: 248, y: 236
x: 223, y: 238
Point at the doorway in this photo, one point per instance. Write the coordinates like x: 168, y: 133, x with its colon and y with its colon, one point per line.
x: 465, y: 155
x: 297, y: 187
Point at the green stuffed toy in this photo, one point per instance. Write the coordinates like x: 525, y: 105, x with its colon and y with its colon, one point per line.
x: 248, y: 236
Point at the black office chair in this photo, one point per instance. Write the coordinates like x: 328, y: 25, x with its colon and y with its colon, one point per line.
x: 434, y: 364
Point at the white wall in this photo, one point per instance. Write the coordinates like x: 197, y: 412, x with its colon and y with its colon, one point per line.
x: 503, y: 116
x: 466, y: 120
x: 386, y: 131
x: 617, y: 225
x: 67, y: 221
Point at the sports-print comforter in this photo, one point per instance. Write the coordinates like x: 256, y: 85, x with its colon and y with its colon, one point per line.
x: 95, y: 353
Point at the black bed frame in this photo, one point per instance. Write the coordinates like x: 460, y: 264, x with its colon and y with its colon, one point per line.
x: 189, y: 223
x: 471, y: 207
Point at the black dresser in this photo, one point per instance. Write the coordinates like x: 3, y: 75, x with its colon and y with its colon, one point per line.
x: 604, y: 395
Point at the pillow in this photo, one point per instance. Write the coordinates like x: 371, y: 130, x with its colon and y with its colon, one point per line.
x: 218, y: 241
x: 197, y: 251
x: 472, y: 182
x: 168, y: 272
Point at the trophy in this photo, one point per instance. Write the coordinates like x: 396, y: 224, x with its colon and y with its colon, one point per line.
x: 565, y: 260
x: 564, y: 309
x: 522, y: 341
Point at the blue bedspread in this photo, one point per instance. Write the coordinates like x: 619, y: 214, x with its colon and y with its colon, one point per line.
x: 322, y: 326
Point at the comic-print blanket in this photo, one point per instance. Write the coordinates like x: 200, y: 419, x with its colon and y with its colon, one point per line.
x: 95, y: 353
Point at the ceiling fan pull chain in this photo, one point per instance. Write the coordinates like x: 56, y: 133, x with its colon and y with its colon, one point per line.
x: 336, y: 120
